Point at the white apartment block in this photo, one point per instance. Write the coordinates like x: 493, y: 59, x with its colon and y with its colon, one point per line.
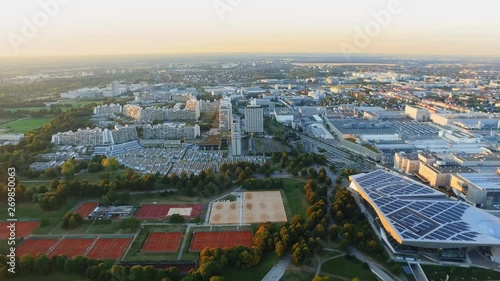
x: 171, y: 131
x: 225, y: 114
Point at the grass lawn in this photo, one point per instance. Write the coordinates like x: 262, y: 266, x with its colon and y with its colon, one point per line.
x: 347, y: 268
x: 102, y: 228
x: 144, y: 198
x: 435, y: 272
x: 255, y: 273
x: 25, y: 125
x: 50, y: 277
x: 96, y: 178
x: 294, y: 273
x: 30, y: 210
x: 295, y: 196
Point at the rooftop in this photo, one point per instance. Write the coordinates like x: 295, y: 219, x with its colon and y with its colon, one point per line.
x: 417, y: 215
x: 483, y: 181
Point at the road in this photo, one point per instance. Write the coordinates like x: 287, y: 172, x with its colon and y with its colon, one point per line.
x: 373, y: 267
x: 278, y: 270
x: 335, y: 154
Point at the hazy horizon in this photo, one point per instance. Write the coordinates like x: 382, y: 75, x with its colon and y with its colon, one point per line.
x: 129, y: 27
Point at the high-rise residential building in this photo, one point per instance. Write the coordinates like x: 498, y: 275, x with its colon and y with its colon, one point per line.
x: 236, y: 136
x: 225, y: 114
x: 115, y: 89
x: 254, y: 119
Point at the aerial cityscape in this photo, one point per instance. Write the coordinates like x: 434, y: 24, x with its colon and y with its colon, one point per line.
x: 249, y: 140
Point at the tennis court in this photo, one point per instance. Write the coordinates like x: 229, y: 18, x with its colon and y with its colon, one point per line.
x: 223, y: 239
x: 159, y: 242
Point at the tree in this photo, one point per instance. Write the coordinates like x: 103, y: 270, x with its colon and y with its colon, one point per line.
x: 105, y: 201
x: 26, y: 264
x: 110, y: 164
x: 280, y: 249
x: 216, y: 278
x: 42, y: 265
x: 176, y: 218
x: 68, y: 169
x: 130, y: 224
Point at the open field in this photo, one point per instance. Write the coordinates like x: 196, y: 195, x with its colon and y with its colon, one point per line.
x: 25, y: 125
x: 5, y: 120
x: 347, y: 268
x: 109, y: 248
x: 164, y: 211
x: 263, y: 206
x: 23, y: 228
x: 225, y: 212
x: 159, y: 242
x: 255, y: 273
x: 294, y: 196
x: 30, y: 210
x: 226, y: 239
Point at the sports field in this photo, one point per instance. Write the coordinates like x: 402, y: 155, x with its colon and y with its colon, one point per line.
x: 25, y: 125
x: 109, y: 248
x: 86, y: 208
x: 263, y: 206
x: 35, y: 246
x: 71, y: 247
x: 164, y: 211
x: 23, y: 229
x: 224, y: 239
x: 161, y: 242
x: 225, y: 212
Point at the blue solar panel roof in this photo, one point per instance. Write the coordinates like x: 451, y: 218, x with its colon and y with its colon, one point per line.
x: 420, y: 213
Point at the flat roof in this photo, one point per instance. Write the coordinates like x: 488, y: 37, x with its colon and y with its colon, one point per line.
x: 417, y: 215
x: 450, y: 169
x: 483, y: 181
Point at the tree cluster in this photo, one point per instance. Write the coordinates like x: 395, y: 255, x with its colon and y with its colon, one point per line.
x: 71, y: 220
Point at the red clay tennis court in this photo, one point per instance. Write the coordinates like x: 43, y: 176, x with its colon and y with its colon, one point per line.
x: 71, y: 247
x: 23, y: 228
x: 109, y: 248
x: 163, y: 211
x: 86, y: 208
x: 35, y: 246
x: 225, y: 239
x: 159, y: 242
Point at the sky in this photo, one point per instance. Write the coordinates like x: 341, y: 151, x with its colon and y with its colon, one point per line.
x: 119, y: 27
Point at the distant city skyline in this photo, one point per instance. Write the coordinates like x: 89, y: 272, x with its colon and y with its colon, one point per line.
x: 91, y: 27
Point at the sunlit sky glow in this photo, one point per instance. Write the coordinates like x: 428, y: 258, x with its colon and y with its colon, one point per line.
x: 96, y: 27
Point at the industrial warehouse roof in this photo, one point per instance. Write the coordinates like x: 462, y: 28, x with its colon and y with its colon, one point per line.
x: 417, y: 215
x: 483, y: 181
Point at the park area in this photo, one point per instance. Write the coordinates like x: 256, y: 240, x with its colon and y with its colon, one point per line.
x: 86, y: 208
x: 164, y: 211
x: 22, y: 230
x: 161, y: 242
x: 263, y: 206
x: 109, y: 248
x: 25, y: 125
x: 223, y: 239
